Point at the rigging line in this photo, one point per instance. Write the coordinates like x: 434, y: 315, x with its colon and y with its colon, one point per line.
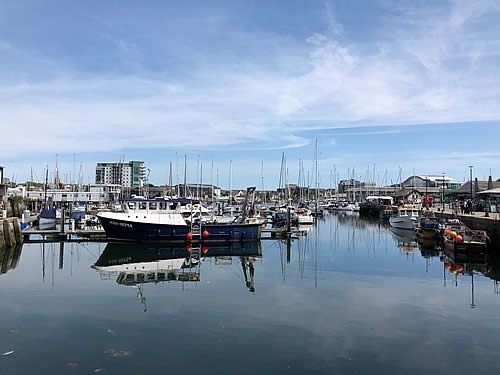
x: 86, y: 248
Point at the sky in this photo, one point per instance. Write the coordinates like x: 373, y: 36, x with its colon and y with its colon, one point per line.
x: 243, y: 90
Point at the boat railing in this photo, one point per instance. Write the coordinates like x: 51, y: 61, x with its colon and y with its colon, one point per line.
x: 468, y: 235
x: 478, y: 236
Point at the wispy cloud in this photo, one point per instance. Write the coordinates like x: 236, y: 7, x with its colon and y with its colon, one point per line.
x: 245, y: 86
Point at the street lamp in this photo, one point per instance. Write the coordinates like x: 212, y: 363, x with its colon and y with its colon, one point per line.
x: 426, y: 198
x: 442, y: 198
x: 470, y: 169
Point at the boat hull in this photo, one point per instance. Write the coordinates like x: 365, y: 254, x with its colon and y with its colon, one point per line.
x: 408, y: 223
x: 118, y: 230
x: 465, y: 246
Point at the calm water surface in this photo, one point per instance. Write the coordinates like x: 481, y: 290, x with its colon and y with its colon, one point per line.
x: 350, y: 297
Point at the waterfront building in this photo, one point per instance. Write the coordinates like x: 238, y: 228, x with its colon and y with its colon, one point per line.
x: 130, y: 174
x: 430, y: 181
x: 100, y: 194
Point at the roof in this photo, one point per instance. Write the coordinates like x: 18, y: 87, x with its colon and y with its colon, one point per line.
x: 491, y: 191
x: 437, y: 178
x: 480, y: 187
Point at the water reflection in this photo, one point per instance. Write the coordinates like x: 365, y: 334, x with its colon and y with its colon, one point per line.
x: 341, y: 298
x: 9, y: 258
x: 461, y: 264
x: 139, y: 264
x: 404, y: 239
x: 359, y: 232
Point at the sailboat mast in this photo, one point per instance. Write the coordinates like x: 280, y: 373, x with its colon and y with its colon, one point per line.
x: 263, y: 195
x: 201, y: 179
x: 317, y: 173
x: 212, y: 181
x: 230, y: 182
x: 185, y: 176
x: 46, y: 186
x: 170, y: 179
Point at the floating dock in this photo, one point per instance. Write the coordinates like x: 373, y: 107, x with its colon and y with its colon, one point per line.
x: 98, y: 235
x: 56, y: 235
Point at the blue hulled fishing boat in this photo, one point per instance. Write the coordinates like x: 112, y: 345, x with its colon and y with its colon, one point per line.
x: 176, y: 220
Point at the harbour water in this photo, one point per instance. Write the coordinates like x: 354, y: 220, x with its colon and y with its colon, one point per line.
x: 349, y: 297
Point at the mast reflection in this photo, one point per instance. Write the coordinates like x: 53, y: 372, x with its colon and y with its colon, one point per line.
x: 138, y: 264
x: 470, y: 263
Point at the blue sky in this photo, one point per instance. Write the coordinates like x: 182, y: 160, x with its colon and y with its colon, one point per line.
x: 389, y: 86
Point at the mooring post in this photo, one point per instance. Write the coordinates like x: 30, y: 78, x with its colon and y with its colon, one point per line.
x: 62, y: 220
x: 61, y: 255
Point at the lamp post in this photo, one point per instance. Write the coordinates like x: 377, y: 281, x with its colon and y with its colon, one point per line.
x: 426, y: 193
x: 442, y: 198
x: 470, y: 169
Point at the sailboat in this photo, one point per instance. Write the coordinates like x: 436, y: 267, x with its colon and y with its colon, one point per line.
x: 48, y: 214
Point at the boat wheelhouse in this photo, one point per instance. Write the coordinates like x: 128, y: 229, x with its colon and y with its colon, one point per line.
x: 405, y: 217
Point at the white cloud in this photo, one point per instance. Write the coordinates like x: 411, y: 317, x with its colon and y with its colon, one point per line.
x: 429, y: 65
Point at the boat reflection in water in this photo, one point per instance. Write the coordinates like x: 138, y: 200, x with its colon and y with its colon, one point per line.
x: 405, y: 239
x: 467, y: 263
x: 137, y: 264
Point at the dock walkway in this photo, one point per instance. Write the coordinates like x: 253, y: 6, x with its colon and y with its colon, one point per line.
x: 56, y: 235
x: 98, y: 235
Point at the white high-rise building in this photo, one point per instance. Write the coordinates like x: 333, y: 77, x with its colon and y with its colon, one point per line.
x: 126, y: 174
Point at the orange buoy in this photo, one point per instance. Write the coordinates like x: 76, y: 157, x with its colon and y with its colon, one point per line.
x: 205, y: 233
x: 458, y: 238
x: 189, y: 235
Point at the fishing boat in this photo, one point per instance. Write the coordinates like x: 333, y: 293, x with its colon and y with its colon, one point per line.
x: 404, y: 217
x: 458, y: 237
x: 428, y: 228
x: 166, y: 219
